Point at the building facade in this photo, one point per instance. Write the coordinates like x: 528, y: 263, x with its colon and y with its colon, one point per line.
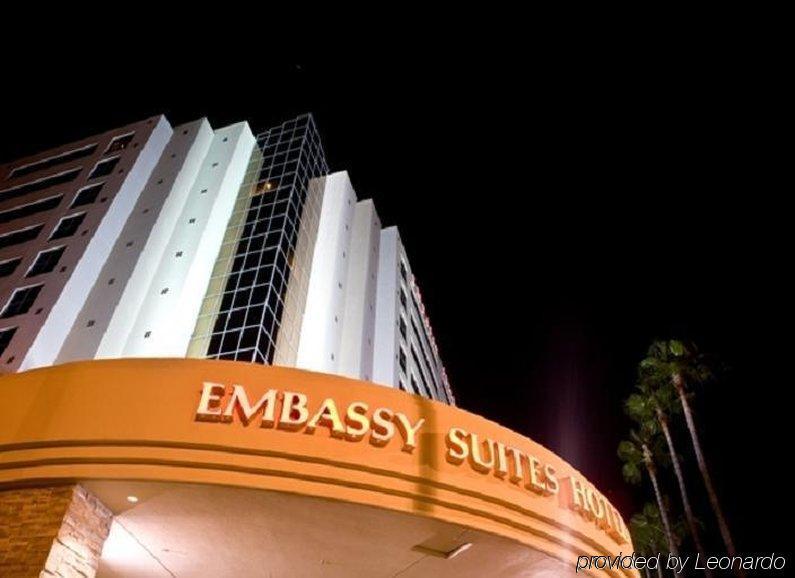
x: 189, y: 241
x: 191, y: 322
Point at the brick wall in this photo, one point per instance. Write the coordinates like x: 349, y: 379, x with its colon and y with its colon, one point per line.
x: 54, y: 531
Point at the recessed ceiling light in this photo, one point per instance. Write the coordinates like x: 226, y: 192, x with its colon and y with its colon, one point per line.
x: 132, y: 499
x: 462, y: 548
x: 442, y: 553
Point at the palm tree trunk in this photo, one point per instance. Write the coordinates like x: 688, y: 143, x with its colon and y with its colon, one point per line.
x: 691, y: 520
x: 702, y: 465
x: 648, y: 574
x: 659, y: 572
x: 669, y: 536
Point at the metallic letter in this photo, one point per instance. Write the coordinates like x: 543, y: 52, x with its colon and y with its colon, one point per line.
x: 408, y: 432
x: 329, y: 417
x: 293, y: 402
x: 356, y: 416
x: 457, y: 446
x: 239, y: 400
x: 383, y: 428
x: 209, y: 405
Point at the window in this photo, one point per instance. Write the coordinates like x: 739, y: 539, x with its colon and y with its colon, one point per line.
x: 53, y: 161
x: 403, y: 272
x: 30, y: 209
x: 87, y: 195
x: 20, y: 236
x: 403, y: 299
x: 21, y: 301
x: 104, y: 168
x: 425, y: 390
x: 9, y: 266
x: 5, y: 338
x: 120, y: 143
x: 67, y: 226
x: 40, y: 184
x: 402, y: 326
x: 402, y: 360
x: 46, y: 261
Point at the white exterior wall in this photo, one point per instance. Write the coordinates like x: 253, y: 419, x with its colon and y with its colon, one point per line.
x: 385, y: 358
x: 59, y: 322
x: 425, y: 375
x: 321, y: 328
x: 358, y: 329
x: 168, y: 313
x: 112, y: 307
x: 137, y: 288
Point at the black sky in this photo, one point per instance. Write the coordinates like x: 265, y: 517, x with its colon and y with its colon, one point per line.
x: 560, y: 212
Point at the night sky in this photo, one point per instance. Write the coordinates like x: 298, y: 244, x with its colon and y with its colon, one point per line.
x: 558, y: 216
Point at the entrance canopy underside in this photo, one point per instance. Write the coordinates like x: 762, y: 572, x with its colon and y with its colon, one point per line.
x: 188, y: 530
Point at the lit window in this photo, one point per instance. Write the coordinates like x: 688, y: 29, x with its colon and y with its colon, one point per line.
x: 21, y: 301
x: 68, y: 226
x: 46, y: 261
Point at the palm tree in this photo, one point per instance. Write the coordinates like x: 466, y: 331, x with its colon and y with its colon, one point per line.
x: 647, y: 530
x: 654, y: 403
x: 640, y: 451
x: 648, y: 533
x: 683, y: 366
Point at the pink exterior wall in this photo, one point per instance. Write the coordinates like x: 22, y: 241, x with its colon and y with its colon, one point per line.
x: 29, y: 324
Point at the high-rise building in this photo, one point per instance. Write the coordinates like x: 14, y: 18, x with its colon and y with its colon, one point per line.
x: 153, y: 241
x: 191, y: 322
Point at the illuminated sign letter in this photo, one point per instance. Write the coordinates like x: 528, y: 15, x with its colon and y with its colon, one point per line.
x: 457, y: 445
x: 355, y: 416
x: 329, y: 417
x: 294, y: 413
x: 210, y: 403
x: 408, y: 431
x: 476, y: 458
x: 246, y: 411
x: 383, y: 428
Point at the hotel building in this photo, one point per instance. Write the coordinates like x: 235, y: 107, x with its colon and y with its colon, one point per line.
x: 215, y: 361
x: 153, y: 241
